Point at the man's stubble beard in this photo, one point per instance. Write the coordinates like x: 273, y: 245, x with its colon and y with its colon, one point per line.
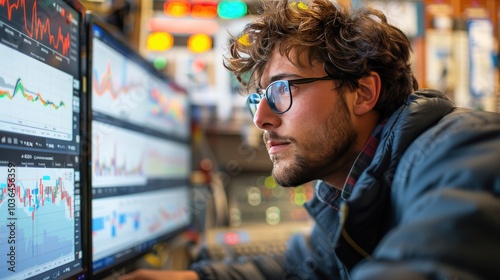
x: 316, y: 158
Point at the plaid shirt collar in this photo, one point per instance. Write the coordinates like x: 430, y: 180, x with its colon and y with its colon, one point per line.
x: 364, y: 159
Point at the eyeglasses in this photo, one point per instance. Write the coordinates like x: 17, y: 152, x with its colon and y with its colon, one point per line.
x: 279, y: 94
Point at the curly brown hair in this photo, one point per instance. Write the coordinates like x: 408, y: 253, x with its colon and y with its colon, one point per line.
x: 351, y: 42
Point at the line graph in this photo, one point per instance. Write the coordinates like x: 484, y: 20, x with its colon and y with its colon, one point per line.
x: 45, y: 221
x: 35, y: 99
x: 122, y: 157
x: 124, y: 88
x: 168, y: 108
x: 119, y: 86
x: 102, y: 84
x: 19, y: 89
x: 118, y: 157
x: 24, y: 16
x: 117, y: 164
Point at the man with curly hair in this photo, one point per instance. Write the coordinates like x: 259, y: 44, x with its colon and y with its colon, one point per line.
x: 408, y: 183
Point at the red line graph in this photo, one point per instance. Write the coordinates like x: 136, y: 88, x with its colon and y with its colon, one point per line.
x: 105, y: 83
x: 39, y: 28
x: 111, y: 166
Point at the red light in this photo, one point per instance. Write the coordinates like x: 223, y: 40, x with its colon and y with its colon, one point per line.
x: 204, y: 10
x: 231, y: 238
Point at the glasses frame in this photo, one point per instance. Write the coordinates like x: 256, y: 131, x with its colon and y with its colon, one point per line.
x: 254, y: 99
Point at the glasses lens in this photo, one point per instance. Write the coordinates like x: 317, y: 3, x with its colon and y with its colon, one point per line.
x: 278, y: 96
x: 253, y: 101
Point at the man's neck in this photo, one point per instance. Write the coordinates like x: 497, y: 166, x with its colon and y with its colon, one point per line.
x: 338, y: 178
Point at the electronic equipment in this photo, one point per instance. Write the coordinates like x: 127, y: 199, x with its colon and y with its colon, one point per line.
x: 140, y: 155
x: 255, y: 198
x: 224, y: 244
x: 263, y: 216
x: 42, y: 194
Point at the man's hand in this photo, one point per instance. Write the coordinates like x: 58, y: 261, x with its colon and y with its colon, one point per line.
x: 149, y: 274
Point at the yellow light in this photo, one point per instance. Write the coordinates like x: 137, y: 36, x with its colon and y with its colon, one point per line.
x: 160, y: 41
x: 199, y: 43
x: 177, y: 8
x: 300, y: 5
x: 244, y: 40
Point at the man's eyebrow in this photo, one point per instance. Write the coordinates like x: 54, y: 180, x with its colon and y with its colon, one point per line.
x: 282, y: 76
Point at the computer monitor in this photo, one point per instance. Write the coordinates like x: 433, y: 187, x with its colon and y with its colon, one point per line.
x: 141, y: 155
x: 42, y: 199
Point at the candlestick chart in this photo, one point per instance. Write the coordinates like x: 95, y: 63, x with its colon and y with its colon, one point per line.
x: 120, y: 221
x: 40, y: 221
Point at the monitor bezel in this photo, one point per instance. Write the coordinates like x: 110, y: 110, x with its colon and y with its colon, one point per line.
x: 128, y: 264
x: 85, y: 222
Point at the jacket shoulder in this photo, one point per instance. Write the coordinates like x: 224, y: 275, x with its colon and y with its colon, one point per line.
x: 461, y: 151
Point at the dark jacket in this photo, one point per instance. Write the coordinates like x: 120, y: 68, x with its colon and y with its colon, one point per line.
x: 427, y: 206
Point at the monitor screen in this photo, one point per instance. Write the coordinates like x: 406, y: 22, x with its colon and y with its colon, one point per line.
x: 41, y: 194
x: 141, y: 155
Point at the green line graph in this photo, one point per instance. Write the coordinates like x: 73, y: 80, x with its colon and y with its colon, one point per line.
x: 19, y: 89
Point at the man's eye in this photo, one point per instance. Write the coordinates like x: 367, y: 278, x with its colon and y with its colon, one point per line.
x: 293, y: 87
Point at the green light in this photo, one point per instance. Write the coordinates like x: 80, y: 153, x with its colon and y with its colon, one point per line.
x: 300, y: 199
x: 160, y: 62
x: 231, y: 9
x: 269, y: 182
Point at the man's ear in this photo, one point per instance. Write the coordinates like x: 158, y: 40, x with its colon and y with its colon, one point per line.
x: 367, y: 94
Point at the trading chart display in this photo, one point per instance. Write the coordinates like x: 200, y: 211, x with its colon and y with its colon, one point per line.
x: 141, y: 154
x: 40, y: 226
